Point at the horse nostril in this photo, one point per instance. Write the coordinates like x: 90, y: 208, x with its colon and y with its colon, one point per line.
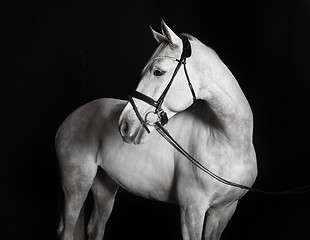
x: 124, y: 128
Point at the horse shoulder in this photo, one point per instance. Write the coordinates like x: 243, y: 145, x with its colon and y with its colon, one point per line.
x: 211, y: 147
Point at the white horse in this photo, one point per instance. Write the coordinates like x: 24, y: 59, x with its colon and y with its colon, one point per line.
x: 217, y: 131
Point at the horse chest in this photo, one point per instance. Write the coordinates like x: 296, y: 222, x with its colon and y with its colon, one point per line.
x: 145, y: 170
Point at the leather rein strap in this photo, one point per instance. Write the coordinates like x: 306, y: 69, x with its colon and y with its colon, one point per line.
x: 165, y: 134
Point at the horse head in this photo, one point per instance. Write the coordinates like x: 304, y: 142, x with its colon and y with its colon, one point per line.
x: 164, y: 89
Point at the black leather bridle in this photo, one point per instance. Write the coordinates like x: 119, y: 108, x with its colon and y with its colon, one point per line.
x: 162, y: 117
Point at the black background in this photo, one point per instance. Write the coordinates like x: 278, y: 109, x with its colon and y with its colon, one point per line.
x: 63, y: 54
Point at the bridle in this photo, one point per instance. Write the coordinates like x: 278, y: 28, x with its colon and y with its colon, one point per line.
x: 162, y: 117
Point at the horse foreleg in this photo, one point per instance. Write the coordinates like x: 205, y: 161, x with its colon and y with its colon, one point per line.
x: 104, y: 190
x: 217, y: 219
x: 76, y: 182
x: 192, y: 217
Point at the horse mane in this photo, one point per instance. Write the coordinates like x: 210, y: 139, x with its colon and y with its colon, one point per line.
x: 158, y: 50
x: 189, y: 37
x: 162, y: 46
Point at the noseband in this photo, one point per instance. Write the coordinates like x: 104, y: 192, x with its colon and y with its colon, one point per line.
x: 162, y: 117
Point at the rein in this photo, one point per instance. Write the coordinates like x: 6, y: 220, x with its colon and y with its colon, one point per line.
x: 165, y: 134
x: 163, y: 119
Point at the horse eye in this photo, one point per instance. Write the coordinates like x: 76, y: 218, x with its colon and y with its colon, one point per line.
x: 158, y: 73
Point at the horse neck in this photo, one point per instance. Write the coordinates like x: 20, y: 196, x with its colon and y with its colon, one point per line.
x: 220, y: 90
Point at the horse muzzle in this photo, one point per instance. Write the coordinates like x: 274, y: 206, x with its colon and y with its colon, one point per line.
x: 132, y: 131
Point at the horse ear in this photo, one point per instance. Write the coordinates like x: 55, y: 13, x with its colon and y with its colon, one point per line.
x: 172, y: 38
x: 159, y: 37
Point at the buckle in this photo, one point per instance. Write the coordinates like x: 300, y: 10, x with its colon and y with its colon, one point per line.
x: 160, y: 117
